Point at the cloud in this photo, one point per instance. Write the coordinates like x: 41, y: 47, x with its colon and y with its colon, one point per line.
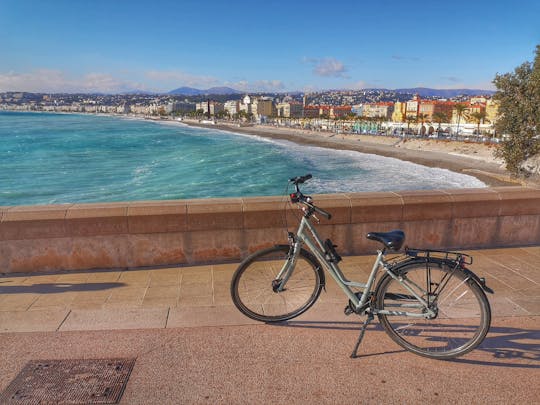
x: 257, y: 86
x: 56, y: 81
x: 359, y: 85
x: 267, y: 85
x: 327, y: 67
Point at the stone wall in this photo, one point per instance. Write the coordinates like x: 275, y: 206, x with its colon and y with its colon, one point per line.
x: 120, y: 235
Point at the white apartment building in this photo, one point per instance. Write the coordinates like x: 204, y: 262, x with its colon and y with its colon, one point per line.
x: 245, y: 105
x: 232, y: 106
x: 215, y: 107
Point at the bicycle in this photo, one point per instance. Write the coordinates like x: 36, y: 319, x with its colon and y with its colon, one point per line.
x: 427, y: 301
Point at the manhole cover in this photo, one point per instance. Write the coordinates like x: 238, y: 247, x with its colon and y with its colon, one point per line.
x: 98, y: 381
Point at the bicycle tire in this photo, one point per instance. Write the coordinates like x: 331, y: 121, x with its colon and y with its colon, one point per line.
x: 252, y: 292
x: 463, y: 312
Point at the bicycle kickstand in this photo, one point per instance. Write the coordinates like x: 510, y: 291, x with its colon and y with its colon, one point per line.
x: 369, y: 318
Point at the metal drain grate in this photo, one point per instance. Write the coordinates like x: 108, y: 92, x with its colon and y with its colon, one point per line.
x: 97, y: 381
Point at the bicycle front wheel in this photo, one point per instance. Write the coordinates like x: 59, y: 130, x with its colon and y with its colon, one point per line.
x: 461, y: 317
x: 252, y: 285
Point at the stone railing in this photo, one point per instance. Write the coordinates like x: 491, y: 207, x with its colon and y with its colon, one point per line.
x: 120, y: 235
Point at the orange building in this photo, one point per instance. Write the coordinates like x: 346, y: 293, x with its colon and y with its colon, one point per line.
x: 341, y: 111
x: 311, y: 111
x: 431, y: 107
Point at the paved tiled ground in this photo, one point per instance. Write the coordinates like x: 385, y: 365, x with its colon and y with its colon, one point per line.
x: 160, y: 316
x: 195, y: 296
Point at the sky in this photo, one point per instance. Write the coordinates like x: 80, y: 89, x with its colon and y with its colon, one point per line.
x: 115, y: 46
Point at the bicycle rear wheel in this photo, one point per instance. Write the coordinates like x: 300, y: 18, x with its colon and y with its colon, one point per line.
x: 462, y: 310
x: 252, y: 285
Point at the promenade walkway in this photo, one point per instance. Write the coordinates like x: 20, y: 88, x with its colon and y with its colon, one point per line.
x: 192, y: 346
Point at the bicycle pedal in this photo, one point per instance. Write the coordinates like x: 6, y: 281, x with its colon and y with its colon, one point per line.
x: 348, y: 310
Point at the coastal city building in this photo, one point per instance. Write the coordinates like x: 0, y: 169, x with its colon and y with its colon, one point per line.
x: 419, y: 115
x: 492, y: 111
x: 262, y: 107
x: 205, y: 106
x: 430, y: 109
x: 378, y: 110
x: 180, y: 107
x: 412, y: 107
x: 245, y: 105
x: 232, y: 107
x: 290, y: 110
x: 311, y: 111
x: 400, y: 111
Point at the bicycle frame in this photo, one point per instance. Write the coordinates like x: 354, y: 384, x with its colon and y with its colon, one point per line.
x: 307, y: 235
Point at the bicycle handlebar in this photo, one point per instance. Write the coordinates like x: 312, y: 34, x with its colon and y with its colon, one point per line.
x: 300, y: 179
x: 298, y: 197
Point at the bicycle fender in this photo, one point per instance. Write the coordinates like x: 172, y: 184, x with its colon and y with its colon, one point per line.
x: 313, y: 260
x: 399, y: 267
x: 481, y: 281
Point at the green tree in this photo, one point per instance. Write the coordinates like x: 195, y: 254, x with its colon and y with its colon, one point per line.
x: 439, y: 117
x: 410, y: 119
x: 422, y: 118
x: 460, y: 112
x: 519, y: 113
x: 479, y: 117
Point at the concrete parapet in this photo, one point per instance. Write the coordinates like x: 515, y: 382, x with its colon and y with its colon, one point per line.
x: 119, y: 235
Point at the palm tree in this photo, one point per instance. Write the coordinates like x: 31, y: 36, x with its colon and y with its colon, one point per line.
x: 410, y: 119
x: 422, y: 118
x: 479, y: 117
x: 460, y: 111
x: 439, y: 117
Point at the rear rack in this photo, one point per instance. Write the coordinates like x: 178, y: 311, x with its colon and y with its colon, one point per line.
x: 457, y: 257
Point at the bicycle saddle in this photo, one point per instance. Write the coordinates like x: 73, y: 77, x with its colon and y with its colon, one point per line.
x: 392, y: 240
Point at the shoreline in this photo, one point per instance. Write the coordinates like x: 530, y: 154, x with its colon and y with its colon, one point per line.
x: 489, y: 172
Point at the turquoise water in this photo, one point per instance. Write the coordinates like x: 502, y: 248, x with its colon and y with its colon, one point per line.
x: 59, y: 158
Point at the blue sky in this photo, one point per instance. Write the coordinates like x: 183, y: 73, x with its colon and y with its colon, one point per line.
x: 119, y: 45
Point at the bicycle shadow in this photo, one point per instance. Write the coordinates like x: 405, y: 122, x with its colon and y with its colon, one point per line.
x: 503, y: 346
x: 508, y: 347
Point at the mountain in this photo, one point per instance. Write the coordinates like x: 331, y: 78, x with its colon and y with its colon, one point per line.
x: 190, y: 91
x: 187, y: 91
x: 446, y: 93
x: 222, y: 90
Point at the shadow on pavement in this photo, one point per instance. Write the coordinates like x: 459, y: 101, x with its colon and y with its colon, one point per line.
x: 509, y: 347
x: 54, y: 288
x: 329, y: 325
x: 505, y: 346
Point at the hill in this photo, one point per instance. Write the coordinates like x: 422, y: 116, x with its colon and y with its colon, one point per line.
x: 446, y: 93
x: 190, y: 91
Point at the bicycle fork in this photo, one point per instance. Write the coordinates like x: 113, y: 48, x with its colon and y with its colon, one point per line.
x: 278, y: 284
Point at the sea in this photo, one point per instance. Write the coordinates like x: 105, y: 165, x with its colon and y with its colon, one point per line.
x: 48, y: 158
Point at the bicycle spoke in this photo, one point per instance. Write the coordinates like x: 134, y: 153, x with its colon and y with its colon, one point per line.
x: 457, y: 322
x: 253, y: 287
